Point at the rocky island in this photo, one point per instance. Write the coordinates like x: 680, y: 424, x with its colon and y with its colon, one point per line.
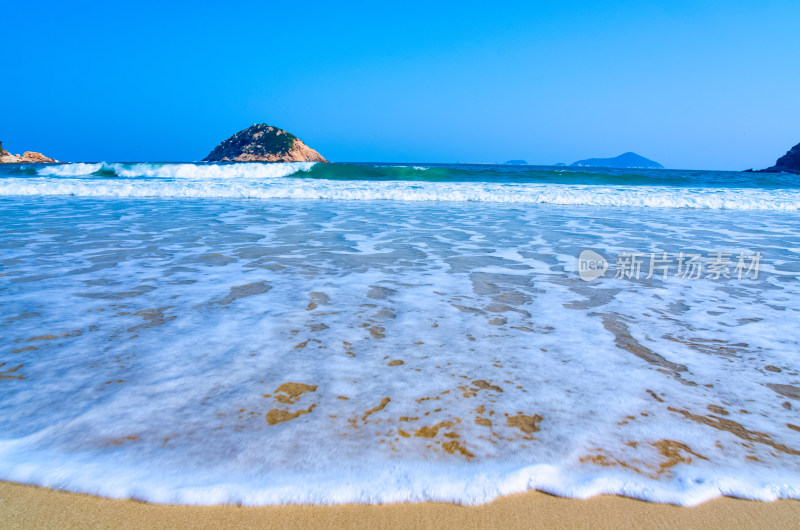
x: 263, y: 143
x: 788, y: 163
x: 30, y: 157
x: 625, y: 160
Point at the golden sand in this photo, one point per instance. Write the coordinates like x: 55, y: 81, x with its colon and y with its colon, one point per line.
x: 31, y: 507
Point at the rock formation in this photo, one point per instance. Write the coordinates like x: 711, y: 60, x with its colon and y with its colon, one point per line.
x: 625, y: 160
x: 263, y: 143
x: 30, y: 157
x: 789, y: 163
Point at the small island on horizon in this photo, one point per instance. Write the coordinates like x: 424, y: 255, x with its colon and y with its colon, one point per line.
x: 263, y: 143
x: 627, y: 160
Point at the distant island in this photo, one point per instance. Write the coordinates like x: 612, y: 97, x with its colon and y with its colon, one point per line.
x: 516, y: 163
x: 28, y: 157
x: 625, y: 160
x: 788, y: 163
x: 263, y: 143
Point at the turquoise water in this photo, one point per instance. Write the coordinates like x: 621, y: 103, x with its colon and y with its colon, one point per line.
x: 458, y: 183
x: 449, y: 173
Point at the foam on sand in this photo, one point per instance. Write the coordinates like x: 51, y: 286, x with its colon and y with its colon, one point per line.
x: 281, y: 352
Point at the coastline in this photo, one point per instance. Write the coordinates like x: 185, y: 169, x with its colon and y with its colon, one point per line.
x: 23, y: 506
x: 378, y: 364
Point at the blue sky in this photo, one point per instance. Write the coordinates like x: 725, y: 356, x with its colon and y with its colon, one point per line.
x: 707, y: 85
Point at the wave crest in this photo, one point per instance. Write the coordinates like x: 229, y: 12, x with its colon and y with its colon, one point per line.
x: 311, y: 189
x: 369, y: 182
x: 249, y: 170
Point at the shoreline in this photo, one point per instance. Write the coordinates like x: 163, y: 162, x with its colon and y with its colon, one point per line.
x: 23, y: 506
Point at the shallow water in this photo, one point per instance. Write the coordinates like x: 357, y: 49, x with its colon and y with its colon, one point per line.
x: 208, y: 350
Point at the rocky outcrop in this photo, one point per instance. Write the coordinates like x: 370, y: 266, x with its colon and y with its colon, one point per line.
x: 625, y: 160
x: 36, y: 158
x: 29, y: 157
x: 263, y: 143
x: 789, y: 163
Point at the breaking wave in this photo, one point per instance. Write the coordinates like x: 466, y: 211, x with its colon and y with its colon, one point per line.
x: 369, y: 182
x: 176, y: 171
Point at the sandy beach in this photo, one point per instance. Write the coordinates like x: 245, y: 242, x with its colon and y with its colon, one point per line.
x: 31, y: 507
x: 455, y: 265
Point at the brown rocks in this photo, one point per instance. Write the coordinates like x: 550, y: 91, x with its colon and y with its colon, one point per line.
x: 29, y: 157
x: 263, y: 143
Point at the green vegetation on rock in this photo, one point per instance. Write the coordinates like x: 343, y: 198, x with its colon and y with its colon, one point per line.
x: 262, y: 142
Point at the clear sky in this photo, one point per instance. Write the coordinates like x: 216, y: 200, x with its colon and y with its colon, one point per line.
x: 691, y: 84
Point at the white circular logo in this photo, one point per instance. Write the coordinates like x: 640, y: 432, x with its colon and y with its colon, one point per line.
x: 591, y: 265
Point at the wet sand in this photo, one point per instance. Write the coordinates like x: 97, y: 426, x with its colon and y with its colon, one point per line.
x: 32, y: 507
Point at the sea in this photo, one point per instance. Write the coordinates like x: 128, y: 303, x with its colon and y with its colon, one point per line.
x: 300, y: 333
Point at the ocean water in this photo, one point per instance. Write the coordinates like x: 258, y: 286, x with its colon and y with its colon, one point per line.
x: 300, y: 333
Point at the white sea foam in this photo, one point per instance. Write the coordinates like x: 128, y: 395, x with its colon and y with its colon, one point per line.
x: 180, y: 171
x: 279, y: 181
x: 151, y: 338
x: 73, y: 170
